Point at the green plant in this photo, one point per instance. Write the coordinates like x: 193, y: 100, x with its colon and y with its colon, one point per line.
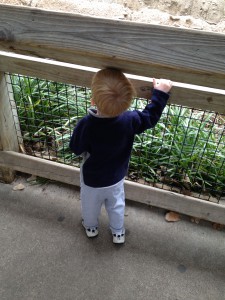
x: 185, y: 146
x: 48, y: 112
x: 185, y: 149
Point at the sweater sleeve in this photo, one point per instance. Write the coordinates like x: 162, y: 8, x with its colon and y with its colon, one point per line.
x: 151, y: 114
x: 79, y: 140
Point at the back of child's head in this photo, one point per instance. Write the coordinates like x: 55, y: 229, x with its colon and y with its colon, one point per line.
x: 112, y: 92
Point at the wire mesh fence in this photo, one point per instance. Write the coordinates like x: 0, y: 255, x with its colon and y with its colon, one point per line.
x: 184, y: 153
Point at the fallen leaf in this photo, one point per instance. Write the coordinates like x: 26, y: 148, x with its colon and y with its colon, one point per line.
x: 186, y: 192
x: 19, y: 187
x: 195, y: 220
x: 22, y: 148
x: 32, y: 178
x: 217, y: 226
x: 141, y: 181
x: 175, y: 189
x: 163, y: 186
x: 172, y: 217
x: 186, y: 182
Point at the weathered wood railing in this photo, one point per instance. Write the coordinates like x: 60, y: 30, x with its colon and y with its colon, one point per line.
x: 48, y: 44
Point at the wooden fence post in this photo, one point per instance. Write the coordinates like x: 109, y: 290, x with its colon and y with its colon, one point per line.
x: 8, y: 133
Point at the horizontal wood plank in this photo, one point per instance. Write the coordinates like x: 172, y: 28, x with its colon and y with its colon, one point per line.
x: 175, y: 202
x: 183, y: 55
x: 182, y: 94
x: 40, y: 167
x: 135, y: 192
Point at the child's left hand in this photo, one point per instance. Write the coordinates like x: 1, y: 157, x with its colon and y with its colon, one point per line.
x: 163, y: 85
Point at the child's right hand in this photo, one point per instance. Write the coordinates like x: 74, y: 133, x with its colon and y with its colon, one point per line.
x: 163, y: 85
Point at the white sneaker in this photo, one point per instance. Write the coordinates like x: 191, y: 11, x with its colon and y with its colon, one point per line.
x: 119, y: 238
x: 90, y: 232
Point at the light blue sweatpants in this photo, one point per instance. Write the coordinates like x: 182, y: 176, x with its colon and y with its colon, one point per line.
x: 112, y: 197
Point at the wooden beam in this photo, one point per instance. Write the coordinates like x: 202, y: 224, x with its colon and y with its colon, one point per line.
x: 135, y: 192
x: 182, y: 94
x: 40, y: 167
x: 18, y: 138
x: 183, y: 55
x: 8, y: 134
x: 175, y: 202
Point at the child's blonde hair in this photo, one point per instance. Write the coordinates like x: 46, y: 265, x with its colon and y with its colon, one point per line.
x: 112, y: 92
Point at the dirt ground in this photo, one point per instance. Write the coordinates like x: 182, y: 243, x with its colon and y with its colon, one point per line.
x: 208, y: 15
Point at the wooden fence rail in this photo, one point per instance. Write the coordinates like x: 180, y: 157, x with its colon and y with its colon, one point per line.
x: 48, y: 44
x: 182, y: 94
x: 187, y: 56
x: 136, y: 192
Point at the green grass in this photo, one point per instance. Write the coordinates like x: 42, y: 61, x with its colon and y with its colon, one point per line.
x: 48, y: 112
x: 185, y: 149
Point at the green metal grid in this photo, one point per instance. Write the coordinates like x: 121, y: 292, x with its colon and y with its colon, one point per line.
x: 184, y: 153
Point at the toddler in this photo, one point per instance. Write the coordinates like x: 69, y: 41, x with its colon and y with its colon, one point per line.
x: 104, y: 138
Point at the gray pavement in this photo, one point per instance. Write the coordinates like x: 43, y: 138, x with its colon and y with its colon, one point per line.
x: 44, y: 253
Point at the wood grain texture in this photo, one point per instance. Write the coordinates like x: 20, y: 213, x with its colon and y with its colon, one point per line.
x: 182, y: 55
x: 8, y: 135
x: 182, y: 94
x: 135, y: 192
x: 175, y: 202
x: 40, y: 167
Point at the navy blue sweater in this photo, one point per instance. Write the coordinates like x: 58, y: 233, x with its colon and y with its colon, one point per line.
x: 109, y: 141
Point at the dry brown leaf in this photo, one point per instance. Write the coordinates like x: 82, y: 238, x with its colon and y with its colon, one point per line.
x: 172, y: 217
x: 217, y: 226
x: 32, y: 178
x: 186, y: 192
x: 19, y: 187
x: 22, y: 148
x: 195, y: 220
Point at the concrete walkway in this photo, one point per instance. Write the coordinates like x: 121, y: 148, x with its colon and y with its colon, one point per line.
x: 44, y: 253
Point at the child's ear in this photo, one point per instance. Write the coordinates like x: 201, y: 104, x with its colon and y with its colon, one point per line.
x: 92, y: 102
